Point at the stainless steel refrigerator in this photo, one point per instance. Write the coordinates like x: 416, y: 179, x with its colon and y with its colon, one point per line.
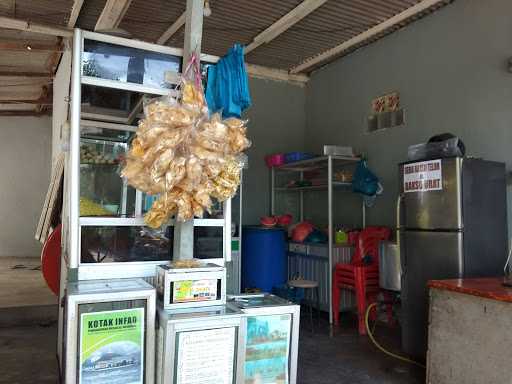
x: 452, y: 224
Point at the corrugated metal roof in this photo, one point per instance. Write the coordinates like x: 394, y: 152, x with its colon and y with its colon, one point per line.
x: 328, y: 26
x: 144, y: 23
x: 54, y: 12
x: 25, y: 74
x: 233, y: 21
x: 91, y: 10
x: 331, y: 24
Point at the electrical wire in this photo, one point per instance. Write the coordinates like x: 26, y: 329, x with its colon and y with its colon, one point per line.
x: 380, y: 347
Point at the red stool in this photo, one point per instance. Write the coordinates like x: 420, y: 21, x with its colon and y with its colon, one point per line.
x: 360, y: 277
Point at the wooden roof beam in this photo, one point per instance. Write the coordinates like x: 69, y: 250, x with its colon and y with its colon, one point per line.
x: 7, y: 7
x: 112, y: 14
x: 175, y: 27
x: 28, y: 26
x: 284, y: 23
x: 367, y: 35
x: 75, y: 12
x: 7, y: 73
x: 41, y: 101
x: 25, y: 113
x: 260, y: 72
x: 22, y: 45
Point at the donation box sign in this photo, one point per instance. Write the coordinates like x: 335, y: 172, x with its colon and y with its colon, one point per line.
x: 112, y: 347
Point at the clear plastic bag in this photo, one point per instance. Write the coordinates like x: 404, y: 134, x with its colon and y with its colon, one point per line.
x: 185, y: 156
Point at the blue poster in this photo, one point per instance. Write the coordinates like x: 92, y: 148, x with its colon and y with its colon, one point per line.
x: 267, y: 349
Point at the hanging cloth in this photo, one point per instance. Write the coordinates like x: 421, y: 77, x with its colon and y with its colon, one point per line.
x: 227, y: 89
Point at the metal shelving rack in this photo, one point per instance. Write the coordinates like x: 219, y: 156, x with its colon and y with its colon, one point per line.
x: 322, y: 163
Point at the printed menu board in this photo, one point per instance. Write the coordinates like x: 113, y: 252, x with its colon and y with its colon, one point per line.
x: 267, y: 349
x: 112, y: 347
x: 206, y: 356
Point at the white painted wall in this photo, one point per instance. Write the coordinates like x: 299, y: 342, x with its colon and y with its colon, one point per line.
x: 25, y: 158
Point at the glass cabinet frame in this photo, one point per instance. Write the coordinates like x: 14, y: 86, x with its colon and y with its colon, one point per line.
x: 72, y: 236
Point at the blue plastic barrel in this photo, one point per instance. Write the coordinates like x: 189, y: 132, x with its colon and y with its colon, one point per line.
x: 263, y: 258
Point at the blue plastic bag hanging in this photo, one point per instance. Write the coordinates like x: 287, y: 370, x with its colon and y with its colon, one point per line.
x: 227, y: 88
x: 365, y: 181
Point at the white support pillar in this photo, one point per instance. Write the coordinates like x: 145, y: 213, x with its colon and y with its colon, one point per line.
x: 184, y: 232
x: 193, y: 29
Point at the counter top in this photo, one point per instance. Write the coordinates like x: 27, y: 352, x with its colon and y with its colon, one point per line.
x: 488, y: 287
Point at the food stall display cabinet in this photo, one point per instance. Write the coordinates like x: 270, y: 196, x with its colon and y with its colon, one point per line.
x: 271, y: 329
x: 203, y: 346
x: 109, y: 332
x: 192, y: 287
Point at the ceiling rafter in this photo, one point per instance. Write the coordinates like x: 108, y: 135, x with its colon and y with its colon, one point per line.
x: 175, y: 27
x: 22, y: 45
x: 28, y: 26
x: 15, y: 72
x: 41, y: 101
x: 253, y: 70
x: 373, y: 32
x: 112, y: 14
x: 75, y: 12
x: 8, y: 7
x: 284, y: 23
x: 25, y: 113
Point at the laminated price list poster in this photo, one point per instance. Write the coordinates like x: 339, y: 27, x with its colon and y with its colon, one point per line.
x: 206, y: 357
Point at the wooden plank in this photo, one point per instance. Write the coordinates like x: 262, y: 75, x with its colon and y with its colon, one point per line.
x: 56, y: 171
x: 20, y: 45
x: 284, y: 23
x: 261, y: 72
x: 44, y: 101
x: 23, y: 25
x: 7, y: 7
x: 7, y: 73
x: 53, y: 61
x: 175, y: 27
x: 368, y: 34
x: 75, y: 12
x: 184, y: 232
x: 55, y: 203
x: 112, y: 14
x: 24, y: 113
x: 193, y: 29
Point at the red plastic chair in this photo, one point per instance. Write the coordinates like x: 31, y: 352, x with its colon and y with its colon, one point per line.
x: 360, y: 276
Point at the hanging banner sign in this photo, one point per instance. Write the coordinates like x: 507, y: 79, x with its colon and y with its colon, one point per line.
x: 423, y: 176
x: 112, y: 347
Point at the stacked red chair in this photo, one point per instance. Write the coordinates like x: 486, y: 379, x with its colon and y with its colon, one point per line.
x: 362, y: 275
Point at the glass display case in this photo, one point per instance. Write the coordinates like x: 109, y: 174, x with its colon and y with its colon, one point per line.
x: 203, y: 346
x: 109, y: 332
x: 271, y: 338
x: 112, y: 77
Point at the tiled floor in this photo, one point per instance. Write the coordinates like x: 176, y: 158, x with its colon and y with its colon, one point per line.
x: 27, y: 355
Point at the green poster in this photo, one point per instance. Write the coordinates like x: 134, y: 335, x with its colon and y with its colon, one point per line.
x: 112, y: 347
